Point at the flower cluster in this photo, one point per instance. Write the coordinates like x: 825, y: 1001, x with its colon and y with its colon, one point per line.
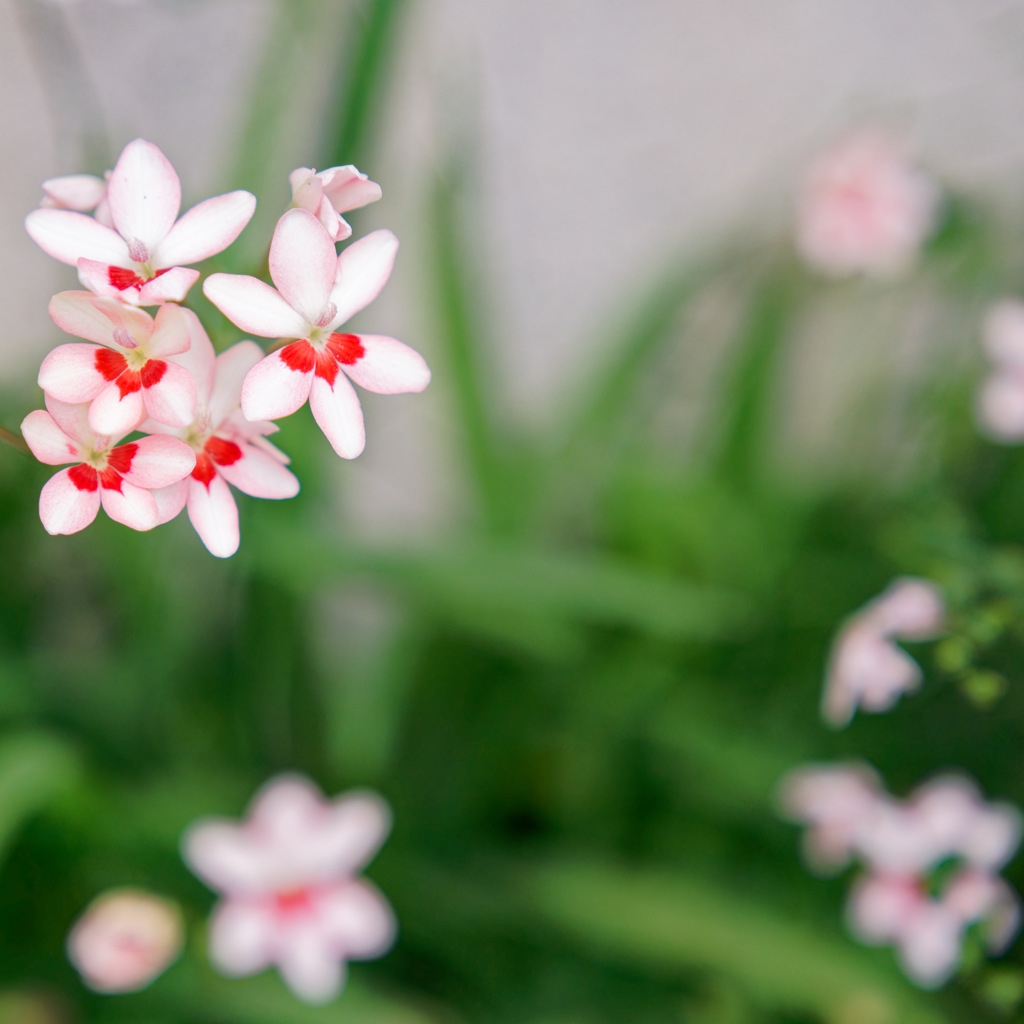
x: 201, y: 419
x: 930, y: 863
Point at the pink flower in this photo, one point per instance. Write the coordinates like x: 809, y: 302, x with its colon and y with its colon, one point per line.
x: 81, y: 192
x: 1000, y: 404
x: 866, y: 668
x: 141, y: 258
x: 290, y: 895
x: 332, y: 193
x: 864, y: 208
x: 124, y: 940
x: 126, y: 375
x: 229, y: 449
x: 317, y: 291
x: 118, y: 478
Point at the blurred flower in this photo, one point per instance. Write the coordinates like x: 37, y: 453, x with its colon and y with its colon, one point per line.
x: 140, y: 259
x: 124, y: 940
x: 332, y: 193
x: 290, y: 895
x: 317, y: 291
x: 80, y: 192
x: 864, y: 208
x: 229, y: 449
x: 866, y: 668
x: 1000, y: 404
x: 118, y: 478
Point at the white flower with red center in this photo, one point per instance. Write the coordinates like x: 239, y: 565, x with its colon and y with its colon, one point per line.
x: 317, y: 291
x: 128, y: 373
x: 864, y: 208
x: 118, y: 477
x: 229, y: 449
x: 142, y: 258
x: 290, y: 895
x: 331, y: 193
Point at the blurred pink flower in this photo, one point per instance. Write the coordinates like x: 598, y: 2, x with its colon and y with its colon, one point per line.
x: 1000, y: 405
x: 290, y: 895
x: 864, y: 208
x: 124, y: 940
x: 866, y: 668
x: 331, y: 193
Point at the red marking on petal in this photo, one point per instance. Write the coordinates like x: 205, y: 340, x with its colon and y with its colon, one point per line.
x: 122, y: 278
x: 120, y: 458
x: 346, y: 348
x: 110, y: 479
x: 326, y: 367
x: 298, y: 356
x: 152, y: 371
x: 83, y: 477
x: 224, y: 453
x: 110, y: 364
x: 204, y: 471
x: 292, y: 901
x: 129, y: 381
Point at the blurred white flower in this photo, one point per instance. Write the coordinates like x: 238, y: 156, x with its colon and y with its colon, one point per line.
x: 866, y: 668
x: 124, y: 940
x: 1000, y: 404
x: 864, y: 208
x: 290, y: 895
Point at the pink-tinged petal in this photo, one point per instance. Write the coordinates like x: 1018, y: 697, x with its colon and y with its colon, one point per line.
x: 48, y: 443
x: 171, y: 286
x: 170, y: 500
x: 1003, y: 334
x: 308, y: 965
x: 358, y: 920
x: 172, y: 332
x: 350, y: 833
x: 363, y: 270
x: 1000, y: 406
x: 336, y: 226
x: 198, y: 357
x: 273, y: 389
x: 214, y: 514
x: 65, y: 507
x: 348, y: 188
x: 337, y: 411
x: 254, y: 306
x: 230, y: 370
x: 74, y: 191
x: 131, y: 506
x: 307, y: 189
x: 97, y: 277
x: 242, y: 938
x: 387, y: 366
x: 226, y: 858
x: 880, y: 907
x: 69, y: 236
x: 303, y: 261
x: 285, y: 806
x: 114, y: 414
x: 73, y: 419
x: 158, y: 461
x: 97, y: 319
x: 208, y: 228
x: 144, y: 195
x: 260, y: 475
x: 172, y: 398
x: 930, y: 945
x: 69, y: 373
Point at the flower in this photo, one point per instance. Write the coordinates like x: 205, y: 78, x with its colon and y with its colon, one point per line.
x: 332, y: 193
x: 229, y: 449
x: 140, y: 259
x: 125, y: 376
x: 290, y: 895
x: 1000, y: 406
x: 317, y: 291
x: 118, y: 478
x: 81, y: 192
x: 864, y: 208
x: 124, y: 940
x: 866, y: 668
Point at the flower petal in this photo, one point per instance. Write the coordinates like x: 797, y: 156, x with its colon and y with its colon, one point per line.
x: 303, y: 262
x: 173, y: 331
x: 73, y: 419
x: 388, y: 366
x: 159, y: 460
x: 114, y: 414
x: 254, y: 306
x: 214, y: 514
x: 172, y: 399
x: 171, y: 286
x: 309, y: 966
x: 198, y: 357
x: 358, y: 919
x: 97, y: 319
x: 48, y: 443
x: 349, y: 834
x: 337, y: 410
x: 226, y: 858
x: 68, y: 236
x: 363, y: 269
x: 69, y: 373
x: 170, y: 500
x: 208, y: 228
x: 75, y: 191
x: 242, y: 938
x: 348, y: 188
x: 144, y: 195
x: 260, y: 475
x: 131, y: 506
x: 64, y: 507
x: 230, y: 370
x: 272, y: 389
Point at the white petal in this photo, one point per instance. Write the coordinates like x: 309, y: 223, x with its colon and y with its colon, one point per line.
x: 350, y: 833
x: 112, y: 414
x: 338, y: 412
x: 208, y: 228
x: 170, y: 500
x: 349, y: 189
x: 97, y: 319
x: 388, y: 367
x: 230, y: 369
x: 68, y: 236
x: 363, y: 269
x: 159, y: 460
x: 144, y: 195
x: 48, y: 443
x: 242, y: 937
x: 75, y: 191
x: 310, y: 967
x: 358, y: 919
x: 254, y: 306
x: 64, y: 508
x: 260, y: 475
x: 171, y: 286
x: 228, y: 857
x: 214, y: 514
x: 272, y: 389
x: 172, y: 399
x: 69, y: 373
x: 198, y: 358
x: 173, y: 331
x: 303, y: 261
x: 96, y: 277
x: 132, y: 506
x: 73, y: 419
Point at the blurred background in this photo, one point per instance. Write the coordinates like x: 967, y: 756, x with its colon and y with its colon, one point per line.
x: 570, y: 611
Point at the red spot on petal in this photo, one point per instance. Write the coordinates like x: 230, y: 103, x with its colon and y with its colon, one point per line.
x: 204, y: 471
x: 292, y: 901
x: 326, y: 367
x: 224, y: 453
x: 346, y: 348
x: 110, y: 479
x: 129, y: 381
x: 122, y: 278
x: 110, y: 364
x: 298, y: 356
x: 120, y: 458
x: 83, y: 477
x: 152, y: 371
